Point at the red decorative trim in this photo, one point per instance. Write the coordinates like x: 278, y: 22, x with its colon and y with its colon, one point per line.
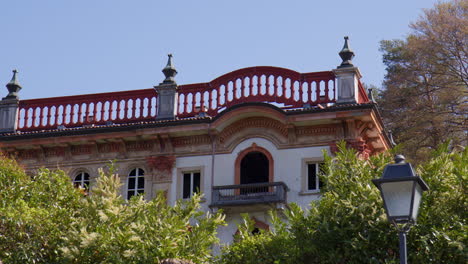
x: 86, y: 109
x: 256, y: 84
x: 364, y: 151
x: 362, y: 94
x: 161, y: 163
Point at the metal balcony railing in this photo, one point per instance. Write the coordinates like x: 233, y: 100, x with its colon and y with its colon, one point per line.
x: 247, y: 194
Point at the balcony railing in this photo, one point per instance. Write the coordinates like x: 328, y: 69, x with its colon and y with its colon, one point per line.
x: 282, y: 87
x: 248, y: 194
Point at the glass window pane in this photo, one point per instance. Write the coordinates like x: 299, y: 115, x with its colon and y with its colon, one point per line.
x: 397, y: 197
x: 417, y: 201
x: 78, y: 177
x: 186, y: 186
x: 321, y: 174
x: 131, y: 183
x: 130, y: 194
x: 86, y: 177
x: 132, y: 173
x: 196, y: 182
x: 311, y: 176
x: 141, y: 182
x: 141, y: 191
x: 141, y: 172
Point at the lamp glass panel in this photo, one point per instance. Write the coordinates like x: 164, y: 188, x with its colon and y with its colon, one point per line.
x: 397, y: 197
x: 417, y: 201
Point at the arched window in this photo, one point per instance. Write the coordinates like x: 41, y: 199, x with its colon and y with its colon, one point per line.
x: 81, y: 180
x: 136, y: 182
x: 254, y: 168
x: 254, y: 165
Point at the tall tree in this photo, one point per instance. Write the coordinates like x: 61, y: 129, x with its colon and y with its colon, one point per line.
x: 424, y: 99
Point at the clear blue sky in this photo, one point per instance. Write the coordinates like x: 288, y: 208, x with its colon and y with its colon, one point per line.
x: 89, y: 46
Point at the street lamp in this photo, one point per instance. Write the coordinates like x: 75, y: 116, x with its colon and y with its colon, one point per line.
x: 401, y: 191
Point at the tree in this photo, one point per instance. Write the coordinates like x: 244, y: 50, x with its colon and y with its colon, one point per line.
x: 424, y: 98
x: 44, y: 219
x: 348, y: 224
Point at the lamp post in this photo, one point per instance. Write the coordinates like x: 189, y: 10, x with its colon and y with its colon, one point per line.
x: 401, y: 191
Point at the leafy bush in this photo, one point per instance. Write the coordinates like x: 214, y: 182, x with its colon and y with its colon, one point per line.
x: 348, y: 224
x: 44, y: 219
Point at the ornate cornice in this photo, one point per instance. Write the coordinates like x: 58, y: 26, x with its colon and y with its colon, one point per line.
x: 191, y: 140
x: 253, y: 122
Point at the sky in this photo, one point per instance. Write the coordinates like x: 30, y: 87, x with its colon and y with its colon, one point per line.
x: 91, y: 46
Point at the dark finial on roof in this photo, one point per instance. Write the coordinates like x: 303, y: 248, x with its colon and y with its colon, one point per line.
x: 346, y: 55
x: 169, y: 71
x: 13, y: 86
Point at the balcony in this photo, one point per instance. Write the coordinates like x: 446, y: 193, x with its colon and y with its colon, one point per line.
x: 249, y: 194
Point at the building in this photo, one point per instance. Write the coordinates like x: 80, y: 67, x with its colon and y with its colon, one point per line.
x: 250, y: 140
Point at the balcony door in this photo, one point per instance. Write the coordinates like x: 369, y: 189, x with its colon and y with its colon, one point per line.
x: 254, y: 168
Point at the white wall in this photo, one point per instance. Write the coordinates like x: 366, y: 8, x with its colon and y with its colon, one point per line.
x: 288, y: 164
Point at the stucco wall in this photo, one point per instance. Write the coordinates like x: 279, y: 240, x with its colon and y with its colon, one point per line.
x: 288, y: 166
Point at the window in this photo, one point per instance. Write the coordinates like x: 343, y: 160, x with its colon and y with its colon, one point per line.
x: 190, y: 183
x: 313, y: 182
x: 136, y: 183
x: 81, y: 180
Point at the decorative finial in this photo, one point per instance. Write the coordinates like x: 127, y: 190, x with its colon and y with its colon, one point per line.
x: 346, y: 55
x: 169, y: 71
x: 13, y: 87
x: 399, y: 159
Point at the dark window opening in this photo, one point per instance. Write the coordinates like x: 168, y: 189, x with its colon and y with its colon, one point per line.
x: 190, y: 184
x: 136, y: 182
x: 254, y: 169
x: 81, y: 180
x: 314, y: 172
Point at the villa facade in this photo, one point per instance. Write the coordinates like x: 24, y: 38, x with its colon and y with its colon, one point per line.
x: 250, y: 140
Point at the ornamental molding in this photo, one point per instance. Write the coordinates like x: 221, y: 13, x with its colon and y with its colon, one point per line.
x: 54, y: 152
x: 252, y: 122
x: 317, y: 130
x: 110, y: 147
x: 29, y: 154
x: 142, y: 145
x: 161, y: 163
x: 81, y: 149
x: 191, y: 140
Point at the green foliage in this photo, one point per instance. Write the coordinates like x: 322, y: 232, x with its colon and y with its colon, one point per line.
x: 265, y: 247
x: 34, y: 212
x: 46, y: 220
x: 348, y: 224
